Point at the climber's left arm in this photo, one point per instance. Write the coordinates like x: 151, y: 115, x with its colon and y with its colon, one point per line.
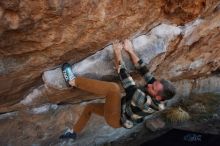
x: 143, y: 69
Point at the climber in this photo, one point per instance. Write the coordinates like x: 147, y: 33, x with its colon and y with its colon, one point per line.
x: 126, y: 111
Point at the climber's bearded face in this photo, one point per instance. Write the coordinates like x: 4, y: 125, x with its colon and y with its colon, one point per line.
x: 155, y: 89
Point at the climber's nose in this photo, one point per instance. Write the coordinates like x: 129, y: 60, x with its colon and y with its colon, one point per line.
x: 149, y: 86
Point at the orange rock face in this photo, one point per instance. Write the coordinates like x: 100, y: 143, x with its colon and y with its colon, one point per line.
x: 39, y: 35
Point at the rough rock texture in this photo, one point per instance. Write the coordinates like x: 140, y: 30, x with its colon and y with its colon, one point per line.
x: 38, y: 35
x: 179, y: 39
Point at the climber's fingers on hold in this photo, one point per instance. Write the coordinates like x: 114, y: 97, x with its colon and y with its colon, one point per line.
x: 117, y: 45
x: 127, y: 45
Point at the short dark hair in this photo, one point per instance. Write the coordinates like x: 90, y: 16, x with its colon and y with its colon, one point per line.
x: 168, y: 89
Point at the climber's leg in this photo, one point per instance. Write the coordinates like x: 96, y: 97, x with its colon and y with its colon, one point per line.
x: 112, y: 94
x: 109, y: 90
x: 97, y: 108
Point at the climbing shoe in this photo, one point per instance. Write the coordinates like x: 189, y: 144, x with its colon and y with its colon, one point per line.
x: 69, y: 134
x: 67, y: 73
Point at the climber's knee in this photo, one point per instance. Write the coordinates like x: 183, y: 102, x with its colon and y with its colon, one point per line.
x: 113, y: 123
x: 115, y: 88
x: 113, y: 119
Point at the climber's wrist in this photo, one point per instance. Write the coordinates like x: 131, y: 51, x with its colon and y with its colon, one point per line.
x: 130, y: 51
x: 131, y: 54
x: 119, y: 65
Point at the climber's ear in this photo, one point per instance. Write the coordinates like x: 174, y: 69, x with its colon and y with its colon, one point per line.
x: 159, y: 98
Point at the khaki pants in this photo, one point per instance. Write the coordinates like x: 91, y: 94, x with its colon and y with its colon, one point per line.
x: 110, y: 110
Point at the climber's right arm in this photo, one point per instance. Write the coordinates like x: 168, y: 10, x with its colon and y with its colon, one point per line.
x: 126, y: 80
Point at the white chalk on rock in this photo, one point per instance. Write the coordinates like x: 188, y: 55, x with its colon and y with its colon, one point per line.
x: 54, y: 78
x: 100, y: 65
